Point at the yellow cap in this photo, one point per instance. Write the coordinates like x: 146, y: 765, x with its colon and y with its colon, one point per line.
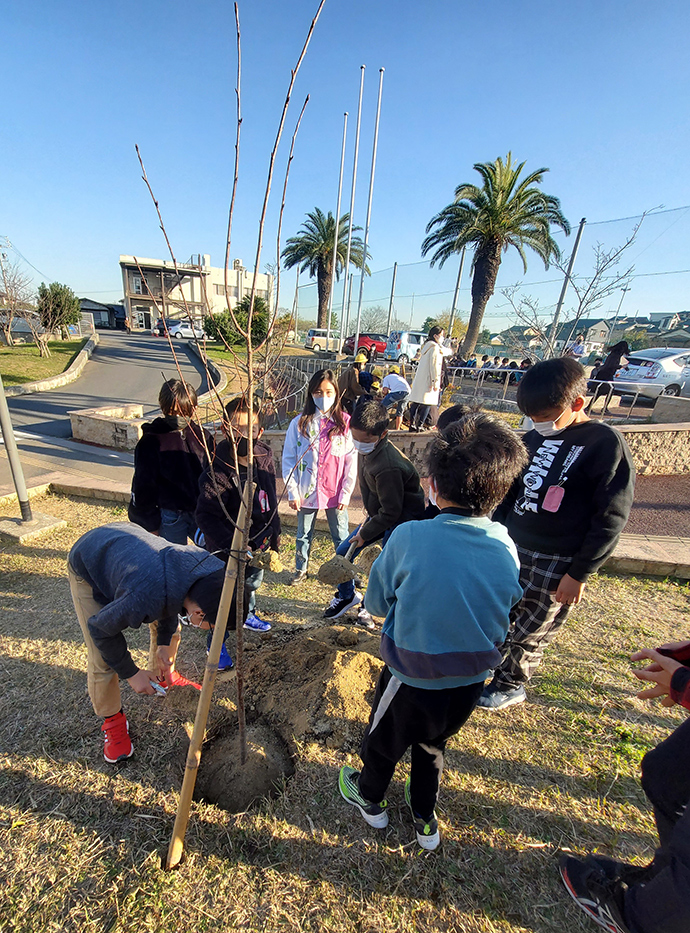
x: 361, y: 358
x: 394, y: 369
x: 377, y: 371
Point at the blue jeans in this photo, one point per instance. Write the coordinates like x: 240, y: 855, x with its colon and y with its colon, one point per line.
x: 347, y: 590
x: 395, y: 397
x: 338, y: 526
x: 176, y: 526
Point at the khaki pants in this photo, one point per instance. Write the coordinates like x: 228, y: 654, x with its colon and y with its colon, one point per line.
x: 103, y: 682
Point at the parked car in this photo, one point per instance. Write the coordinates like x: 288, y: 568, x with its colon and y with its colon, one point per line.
x: 371, y: 344
x: 180, y: 329
x: 652, y: 373
x: 317, y: 338
x: 159, y: 328
x: 404, y: 345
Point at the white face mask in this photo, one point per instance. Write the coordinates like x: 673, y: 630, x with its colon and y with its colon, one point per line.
x: 432, y: 495
x: 549, y: 428
x: 364, y: 448
x: 324, y: 402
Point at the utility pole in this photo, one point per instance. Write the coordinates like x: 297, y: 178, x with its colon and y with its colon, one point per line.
x: 392, y: 298
x: 347, y: 277
x: 455, y: 294
x: 13, y: 457
x: 626, y: 288
x: 566, y: 281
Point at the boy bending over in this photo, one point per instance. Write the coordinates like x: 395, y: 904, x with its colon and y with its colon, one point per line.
x: 436, y: 664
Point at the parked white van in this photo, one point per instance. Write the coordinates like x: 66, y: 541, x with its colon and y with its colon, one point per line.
x: 404, y: 345
x: 317, y: 339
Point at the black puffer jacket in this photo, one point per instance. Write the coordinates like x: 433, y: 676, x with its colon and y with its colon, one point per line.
x: 168, y: 461
x: 210, y: 514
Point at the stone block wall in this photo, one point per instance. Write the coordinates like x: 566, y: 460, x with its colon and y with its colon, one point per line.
x: 116, y: 426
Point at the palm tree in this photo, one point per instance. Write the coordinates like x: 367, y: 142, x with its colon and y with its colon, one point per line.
x: 504, y: 212
x: 313, y: 248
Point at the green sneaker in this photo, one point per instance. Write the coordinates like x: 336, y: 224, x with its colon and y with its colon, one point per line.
x: 376, y: 814
x: 428, y: 835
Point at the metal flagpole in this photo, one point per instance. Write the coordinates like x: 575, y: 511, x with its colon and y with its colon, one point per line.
x: 455, y: 295
x: 390, y: 303
x: 371, y: 197
x: 13, y: 457
x: 336, y: 238
x: 347, y: 276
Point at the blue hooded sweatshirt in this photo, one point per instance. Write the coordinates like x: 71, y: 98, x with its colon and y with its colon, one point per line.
x: 137, y: 577
x: 446, y: 588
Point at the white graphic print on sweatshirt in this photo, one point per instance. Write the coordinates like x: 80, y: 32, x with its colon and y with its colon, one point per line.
x: 537, y: 472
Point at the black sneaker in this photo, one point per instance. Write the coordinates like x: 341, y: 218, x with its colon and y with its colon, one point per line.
x: 427, y: 832
x: 622, y: 871
x: 338, y: 607
x: 376, y: 814
x: 600, y: 897
x: 495, y: 697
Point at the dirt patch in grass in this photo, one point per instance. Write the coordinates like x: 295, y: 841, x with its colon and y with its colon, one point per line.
x: 21, y: 364
x: 80, y: 841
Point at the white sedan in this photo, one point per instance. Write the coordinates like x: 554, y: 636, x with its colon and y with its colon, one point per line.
x: 180, y: 329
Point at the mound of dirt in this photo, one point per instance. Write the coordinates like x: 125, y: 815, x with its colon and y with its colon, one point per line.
x: 224, y: 781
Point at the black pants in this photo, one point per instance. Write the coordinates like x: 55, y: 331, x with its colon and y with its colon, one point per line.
x: 404, y: 716
x: 662, y: 905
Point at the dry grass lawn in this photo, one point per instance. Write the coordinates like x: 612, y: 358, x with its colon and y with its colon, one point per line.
x: 80, y: 840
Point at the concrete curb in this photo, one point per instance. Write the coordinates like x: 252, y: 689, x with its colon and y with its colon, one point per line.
x: 71, y: 374
x: 219, y: 378
x: 648, y: 555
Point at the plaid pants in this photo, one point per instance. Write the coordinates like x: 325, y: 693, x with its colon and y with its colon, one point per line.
x: 535, y: 619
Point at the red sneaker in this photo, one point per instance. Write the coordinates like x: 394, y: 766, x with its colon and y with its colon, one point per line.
x: 177, y: 680
x: 118, y: 745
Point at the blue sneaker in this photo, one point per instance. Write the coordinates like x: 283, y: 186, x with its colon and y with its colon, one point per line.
x: 256, y: 624
x: 225, y: 662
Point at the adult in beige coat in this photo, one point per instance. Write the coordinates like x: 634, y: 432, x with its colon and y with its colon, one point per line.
x: 426, y: 387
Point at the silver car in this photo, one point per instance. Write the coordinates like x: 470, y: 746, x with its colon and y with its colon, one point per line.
x: 652, y: 373
x: 180, y: 329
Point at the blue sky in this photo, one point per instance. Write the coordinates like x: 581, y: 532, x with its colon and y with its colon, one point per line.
x: 595, y: 91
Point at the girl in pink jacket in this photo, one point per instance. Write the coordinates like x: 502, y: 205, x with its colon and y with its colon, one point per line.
x: 319, y: 466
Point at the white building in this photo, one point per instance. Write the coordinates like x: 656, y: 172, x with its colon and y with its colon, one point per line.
x: 152, y: 288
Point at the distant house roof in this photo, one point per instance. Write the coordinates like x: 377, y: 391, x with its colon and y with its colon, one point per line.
x: 579, y: 327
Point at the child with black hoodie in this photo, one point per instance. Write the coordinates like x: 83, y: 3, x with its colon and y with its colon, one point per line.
x: 168, y: 461
x: 219, y: 497
x: 565, y: 514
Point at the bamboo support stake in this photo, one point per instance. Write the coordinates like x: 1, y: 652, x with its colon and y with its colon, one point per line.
x: 194, y: 755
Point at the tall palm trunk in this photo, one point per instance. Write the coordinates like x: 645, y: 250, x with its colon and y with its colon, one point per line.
x: 323, y: 284
x: 486, y: 265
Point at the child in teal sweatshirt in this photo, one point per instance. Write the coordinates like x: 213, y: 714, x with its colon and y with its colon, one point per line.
x: 437, y: 662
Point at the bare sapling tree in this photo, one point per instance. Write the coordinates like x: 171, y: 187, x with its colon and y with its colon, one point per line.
x: 253, y: 368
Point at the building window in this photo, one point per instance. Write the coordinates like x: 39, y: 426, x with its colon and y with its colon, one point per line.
x: 137, y: 285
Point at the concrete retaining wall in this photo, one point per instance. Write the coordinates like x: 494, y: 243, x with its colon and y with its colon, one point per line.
x: 117, y: 426
x: 655, y: 448
x: 72, y: 373
x: 669, y: 410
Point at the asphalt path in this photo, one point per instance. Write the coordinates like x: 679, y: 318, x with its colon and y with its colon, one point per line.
x: 123, y: 368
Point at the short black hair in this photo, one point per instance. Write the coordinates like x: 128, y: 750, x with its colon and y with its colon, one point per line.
x: 370, y: 416
x: 177, y: 397
x: 240, y: 405
x: 551, y: 384
x: 454, y: 413
x: 205, y: 592
x: 475, y: 461
x: 434, y: 332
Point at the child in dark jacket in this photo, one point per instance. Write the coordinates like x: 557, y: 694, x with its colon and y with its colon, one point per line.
x: 168, y: 461
x: 436, y: 666
x: 390, y: 489
x: 651, y: 898
x: 121, y: 576
x: 219, y: 497
x: 565, y: 514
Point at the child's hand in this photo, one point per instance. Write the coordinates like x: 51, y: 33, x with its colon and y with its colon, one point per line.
x: 141, y: 682
x: 660, y: 672
x: 358, y: 540
x: 165, y: 658
x: 569, y: 591
x: 294, y: 504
